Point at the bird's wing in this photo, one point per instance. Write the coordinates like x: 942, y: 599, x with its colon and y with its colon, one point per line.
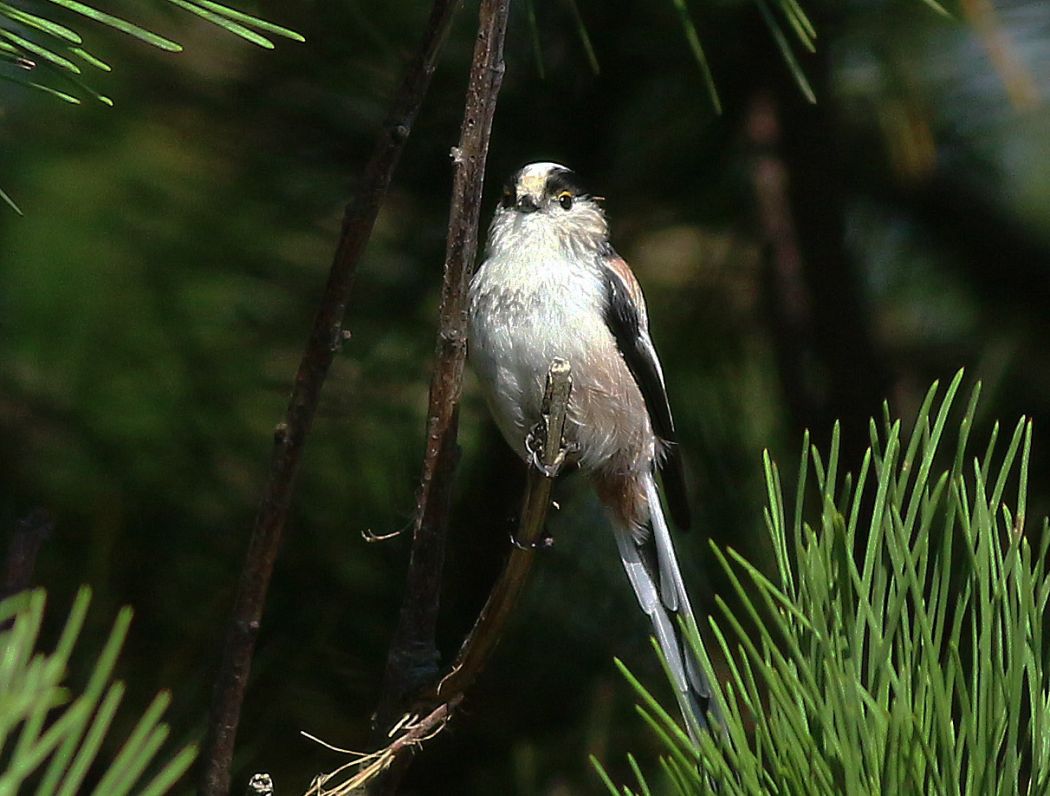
x: 626, y: 318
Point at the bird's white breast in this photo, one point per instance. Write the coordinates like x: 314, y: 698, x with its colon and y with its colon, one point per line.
x: 530, y: 304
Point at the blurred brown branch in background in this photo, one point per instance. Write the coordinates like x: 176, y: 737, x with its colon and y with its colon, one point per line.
x: 1017, y: 79
x: 829, y: 360
x: 325, y: 340
x: 413, y: 658
x: 788, y: 301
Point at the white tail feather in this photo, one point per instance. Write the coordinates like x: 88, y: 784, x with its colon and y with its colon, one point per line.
x: 670, y: 575
x: 663, y: 602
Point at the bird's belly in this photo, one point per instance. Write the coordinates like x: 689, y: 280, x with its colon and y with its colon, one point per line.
x: 514, y: 339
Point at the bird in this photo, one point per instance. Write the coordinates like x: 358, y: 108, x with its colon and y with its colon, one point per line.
x: 551, y: 285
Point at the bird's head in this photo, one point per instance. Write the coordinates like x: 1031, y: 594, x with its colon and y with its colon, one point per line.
x: 549, y: 197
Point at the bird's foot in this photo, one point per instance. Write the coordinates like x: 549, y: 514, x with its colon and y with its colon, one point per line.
x: 535, y: 440
x: 534, y: 444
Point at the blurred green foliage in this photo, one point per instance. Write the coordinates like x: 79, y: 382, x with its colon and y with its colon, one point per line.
x: 156, y: 296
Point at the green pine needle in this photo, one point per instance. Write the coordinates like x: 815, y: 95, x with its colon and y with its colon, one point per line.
x: 52, y: 39
x: 60, y: 735
x: 120, y: 24
x: 534, y: 34
x: 250, y: 21
x: 87, y: 89
x: 27, y: 46
x: 693, y: 38
x: 785, y: 50
x: 7, y: 200
x: 898, y: 645
x: 39, y: 23
x: 937, y: 7
x: 94, y: 60
x: 585, y: 37
x: 604, y: 775
x: 225, y: 23
x: 54, y: 92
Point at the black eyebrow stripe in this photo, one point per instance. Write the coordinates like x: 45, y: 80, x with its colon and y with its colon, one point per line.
x: 559, y: 181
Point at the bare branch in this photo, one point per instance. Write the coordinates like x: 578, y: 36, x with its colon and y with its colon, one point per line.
x: 412, y: 662
x: 290, y: 434
x: 410, y: 732
x: 485, y: 634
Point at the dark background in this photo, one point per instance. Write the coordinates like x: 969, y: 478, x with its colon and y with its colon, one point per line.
x: 155, y: 298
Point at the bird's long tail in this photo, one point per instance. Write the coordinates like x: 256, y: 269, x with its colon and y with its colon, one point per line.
x: 652, y: 568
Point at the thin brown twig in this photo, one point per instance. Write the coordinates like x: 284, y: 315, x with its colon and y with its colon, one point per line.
x: 488, y: 628
x: 413, y: 659
x: 410, y: 732
x: 325, y: 340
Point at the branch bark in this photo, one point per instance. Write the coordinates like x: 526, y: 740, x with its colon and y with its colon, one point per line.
x: 290, y: 434
x: 478, y: 646
x: 411, y: 732
x: 412, y: 662
x: 384, y: 768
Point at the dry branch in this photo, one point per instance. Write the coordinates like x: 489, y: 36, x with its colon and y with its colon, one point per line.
x: 477, y: 648
x: 412, y: 662
x: 437, y: 707
x: 325, y: 340
x: 363, y: 768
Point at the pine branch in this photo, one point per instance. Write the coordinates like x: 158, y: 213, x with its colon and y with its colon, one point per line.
x: 290, y: 434
x: 898, y: 646
x: 33, y: 46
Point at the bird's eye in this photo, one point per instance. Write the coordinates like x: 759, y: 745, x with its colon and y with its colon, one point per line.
x: 565, y: 200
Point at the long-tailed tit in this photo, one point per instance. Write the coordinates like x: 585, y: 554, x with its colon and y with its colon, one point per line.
x: 551, y: 285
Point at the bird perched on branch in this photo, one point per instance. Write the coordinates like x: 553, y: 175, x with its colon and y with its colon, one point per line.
x: 551, y: 285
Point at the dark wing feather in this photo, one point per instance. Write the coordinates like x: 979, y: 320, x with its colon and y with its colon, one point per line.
x: 625, y: 317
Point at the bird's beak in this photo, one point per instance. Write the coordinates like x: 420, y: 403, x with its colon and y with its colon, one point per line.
x: 526, y: 204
